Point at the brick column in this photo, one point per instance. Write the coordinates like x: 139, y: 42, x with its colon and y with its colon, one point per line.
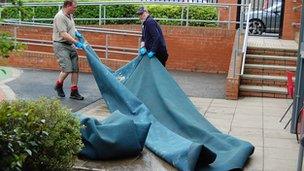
x: 232, y: 88
x: 291, y: 17
x: 224, y: 13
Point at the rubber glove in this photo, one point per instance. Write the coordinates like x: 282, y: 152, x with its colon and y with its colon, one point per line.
x: 151, y: 54
x: 78, y: 34
x: 79, y: 45
x: 142, y: 51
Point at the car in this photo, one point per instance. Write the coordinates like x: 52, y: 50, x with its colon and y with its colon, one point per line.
x: 265, y: 20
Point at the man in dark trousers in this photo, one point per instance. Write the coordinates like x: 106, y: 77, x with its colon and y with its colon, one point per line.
x: 152, y: 41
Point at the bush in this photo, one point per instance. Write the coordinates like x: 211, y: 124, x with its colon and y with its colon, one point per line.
x: 166, y: 11
x: 120, y: 11
x: 203, y: 13
x: 7, y: 45
x: 38, y: 135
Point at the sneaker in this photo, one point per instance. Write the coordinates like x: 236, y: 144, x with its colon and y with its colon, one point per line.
x: 59, y: 90
x: 75, y: 95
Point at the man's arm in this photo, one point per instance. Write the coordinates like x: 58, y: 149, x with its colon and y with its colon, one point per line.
x: 152, y: 29
x: 68, y: 37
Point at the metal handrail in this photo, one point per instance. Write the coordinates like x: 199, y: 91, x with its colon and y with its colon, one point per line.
x: 99, y: 48
x: 135, y: 19
x: 245, y: 42
x: 111, y: 3
x: 29, y: 4
x: 81, y: 28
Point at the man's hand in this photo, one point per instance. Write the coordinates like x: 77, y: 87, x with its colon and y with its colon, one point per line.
x: 78, y: 34
x: 142, y: 51
x: 151, y: 54
x: 79, y: 45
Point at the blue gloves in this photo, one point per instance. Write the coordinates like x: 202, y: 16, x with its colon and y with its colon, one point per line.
x: 79, y: 45
x: 78, y: 34
x: 142, y: 51
x: 151, y: 54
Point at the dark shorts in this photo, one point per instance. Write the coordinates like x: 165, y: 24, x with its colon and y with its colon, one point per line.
x: 67, y: 57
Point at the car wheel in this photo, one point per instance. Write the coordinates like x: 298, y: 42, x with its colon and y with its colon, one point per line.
x: 256, y: 27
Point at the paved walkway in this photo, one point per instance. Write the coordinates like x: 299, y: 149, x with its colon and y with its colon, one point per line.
x: 272, y: 42
x: 251, y: 119
x: 32, y: 84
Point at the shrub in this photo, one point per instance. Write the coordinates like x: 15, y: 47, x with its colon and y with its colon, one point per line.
x: 120, y: 11
x: 203, y: 13
x: 38, y: 135
x: 166, y: 11
x: 7, y: 45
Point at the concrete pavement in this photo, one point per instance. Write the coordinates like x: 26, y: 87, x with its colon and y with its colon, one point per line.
x: 251, y: 119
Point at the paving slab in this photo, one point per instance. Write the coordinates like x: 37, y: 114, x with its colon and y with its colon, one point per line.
x: 270, y: 143
x: 256, y: 161
x: 271, y: 43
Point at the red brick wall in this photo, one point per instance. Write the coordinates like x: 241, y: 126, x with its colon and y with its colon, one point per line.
x: 190, y: 48
x: 290, y: 17
x: 43, y: 60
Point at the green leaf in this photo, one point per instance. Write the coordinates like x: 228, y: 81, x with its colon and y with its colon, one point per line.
x: 29, y: 152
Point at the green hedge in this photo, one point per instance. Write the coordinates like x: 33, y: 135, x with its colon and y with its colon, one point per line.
x: 120, y: 11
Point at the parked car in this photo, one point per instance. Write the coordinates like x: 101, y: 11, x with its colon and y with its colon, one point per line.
x: 265, y: 20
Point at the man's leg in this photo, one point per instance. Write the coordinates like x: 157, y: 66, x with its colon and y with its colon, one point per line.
x: 62, y: 76
x: 74, y: 78
x: 59, y: 83
x: 162, y: 58
x: 63, y: 56
x: 74, y: 88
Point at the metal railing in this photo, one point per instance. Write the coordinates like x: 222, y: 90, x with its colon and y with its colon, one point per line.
x: 245, y: 42
x: 107, y: 49
x: 194, y: 1
x: 236, y: 48
x: 102, y: 18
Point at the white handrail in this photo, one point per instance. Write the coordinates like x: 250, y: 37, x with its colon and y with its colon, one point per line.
x: 245, y: 38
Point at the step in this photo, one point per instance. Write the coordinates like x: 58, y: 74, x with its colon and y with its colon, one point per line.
x: 264, y: 77
x: 271, y: 60
x: 266, y: 80
x: 273, y: 67
x: 260, y: 69
x: 271, y: 57
x: 263, y: 91
x: 279, y: 51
